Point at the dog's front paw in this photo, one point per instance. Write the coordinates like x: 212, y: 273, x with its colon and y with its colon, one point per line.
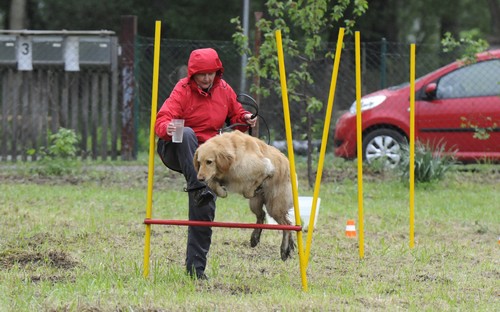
x: 221, y: 191
x: 249, y: 194
x: 218, y: 188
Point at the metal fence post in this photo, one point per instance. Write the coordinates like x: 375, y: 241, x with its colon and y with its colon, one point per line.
x: 383, y: 65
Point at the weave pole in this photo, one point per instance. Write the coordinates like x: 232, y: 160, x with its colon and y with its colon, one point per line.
x: 293, y: 175
x: 324, y: 140
x: 359, y: 139
x: 154, y: 101
x: 412, y: 145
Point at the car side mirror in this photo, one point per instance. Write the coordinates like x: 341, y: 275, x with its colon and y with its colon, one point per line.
x: 430, y: 90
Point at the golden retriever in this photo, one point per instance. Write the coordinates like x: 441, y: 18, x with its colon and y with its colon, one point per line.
x: 239, y: 163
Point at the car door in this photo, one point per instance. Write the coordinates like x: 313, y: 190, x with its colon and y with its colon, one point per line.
x: 465, y: 112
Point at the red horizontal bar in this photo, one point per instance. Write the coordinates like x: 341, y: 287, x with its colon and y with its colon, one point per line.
x: 225, y: 224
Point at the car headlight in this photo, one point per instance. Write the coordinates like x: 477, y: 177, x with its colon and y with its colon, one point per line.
x: 368, y: 103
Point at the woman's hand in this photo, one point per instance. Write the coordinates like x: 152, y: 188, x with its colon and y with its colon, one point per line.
x: 249, y: 120
x: 170, y: 128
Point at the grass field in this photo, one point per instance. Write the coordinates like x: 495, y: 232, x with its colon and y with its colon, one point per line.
x: 76, y: 243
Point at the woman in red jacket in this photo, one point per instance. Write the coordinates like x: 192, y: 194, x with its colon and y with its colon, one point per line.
x: 205, y: 101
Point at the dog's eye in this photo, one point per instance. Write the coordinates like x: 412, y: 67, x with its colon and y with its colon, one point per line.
x: 209, y: 162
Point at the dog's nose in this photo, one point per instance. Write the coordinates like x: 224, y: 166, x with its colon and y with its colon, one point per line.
x: 202, y: 179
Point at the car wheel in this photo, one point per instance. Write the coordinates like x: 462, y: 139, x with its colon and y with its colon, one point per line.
x: 383, y: 145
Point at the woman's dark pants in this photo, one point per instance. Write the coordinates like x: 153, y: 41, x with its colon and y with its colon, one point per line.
x: 179, y: 157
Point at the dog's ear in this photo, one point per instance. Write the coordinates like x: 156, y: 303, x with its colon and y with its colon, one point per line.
x: 195, y: 161
x: 224, y: 161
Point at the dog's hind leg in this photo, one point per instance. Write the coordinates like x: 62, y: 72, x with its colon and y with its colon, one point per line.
x: 287, y: 243
x: 257, y: 207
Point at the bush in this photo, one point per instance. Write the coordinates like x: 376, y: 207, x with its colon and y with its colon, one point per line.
x: 60, y: 156
x: 431, y: 163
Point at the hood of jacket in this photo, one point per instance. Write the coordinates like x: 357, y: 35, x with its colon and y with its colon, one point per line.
x: 204, y: 61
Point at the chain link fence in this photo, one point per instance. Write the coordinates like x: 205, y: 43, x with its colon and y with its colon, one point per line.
x: 106, y: 91
x: 383, y: 64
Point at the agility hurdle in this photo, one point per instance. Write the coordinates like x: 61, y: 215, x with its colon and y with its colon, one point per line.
x: 225, y: 224
x: 148, y: 221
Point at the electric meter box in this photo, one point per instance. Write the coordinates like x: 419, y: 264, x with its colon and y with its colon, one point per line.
x: 94, y: 51
x: 8, y: 54
x: 48, y: 50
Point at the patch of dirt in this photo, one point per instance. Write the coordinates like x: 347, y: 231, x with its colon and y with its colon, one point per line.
x: 234, y: 290
x: 51, y: 278
x: 56, y: 259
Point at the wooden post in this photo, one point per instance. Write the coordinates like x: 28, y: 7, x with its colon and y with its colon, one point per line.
x: 127, y: 38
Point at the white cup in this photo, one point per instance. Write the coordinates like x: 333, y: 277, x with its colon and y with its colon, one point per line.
x: 179, y: 129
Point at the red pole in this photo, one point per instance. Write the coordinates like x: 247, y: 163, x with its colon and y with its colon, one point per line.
x: 225, y: 224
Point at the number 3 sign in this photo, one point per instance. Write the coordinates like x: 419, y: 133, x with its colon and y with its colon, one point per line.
x: 24, y: 53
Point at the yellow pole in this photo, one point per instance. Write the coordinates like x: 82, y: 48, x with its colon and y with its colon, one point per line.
x: 324, y: 140
x: 154, y: 101
x: 412, y: 145
x: 359, y: 147
x: 293, y: 175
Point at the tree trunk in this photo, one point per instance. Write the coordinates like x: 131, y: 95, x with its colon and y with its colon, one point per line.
x: 17, y: 18
x: 310, y: 176
x: 494, y: 6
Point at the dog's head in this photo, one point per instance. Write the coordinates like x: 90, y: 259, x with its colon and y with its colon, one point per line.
x: 212, y: 161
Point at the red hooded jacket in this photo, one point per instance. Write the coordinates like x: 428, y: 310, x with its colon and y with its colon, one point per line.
x: 204, y: 112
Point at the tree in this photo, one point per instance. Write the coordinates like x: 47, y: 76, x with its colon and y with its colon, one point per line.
x: 304, y: 26
x: 17, y: 16
x: 188, y: 19
x: 494, y: 8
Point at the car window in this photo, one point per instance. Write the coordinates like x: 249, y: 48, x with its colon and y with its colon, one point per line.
x: 479, y: 79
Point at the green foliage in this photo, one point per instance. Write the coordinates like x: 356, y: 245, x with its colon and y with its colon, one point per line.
x: 207, y: 19
x: 304, y: 26
x: 63, y: 144
x: 430, y: 164
x: 469, y: 43
x: 480, y: 133
x: 60, y: 156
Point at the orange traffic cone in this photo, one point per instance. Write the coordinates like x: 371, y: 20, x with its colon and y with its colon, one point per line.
x: 350, y: 229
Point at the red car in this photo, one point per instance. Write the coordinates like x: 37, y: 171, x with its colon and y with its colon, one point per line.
x: 456, y: 107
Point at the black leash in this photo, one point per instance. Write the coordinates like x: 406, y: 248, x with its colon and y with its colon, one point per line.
x: 246, y: 99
